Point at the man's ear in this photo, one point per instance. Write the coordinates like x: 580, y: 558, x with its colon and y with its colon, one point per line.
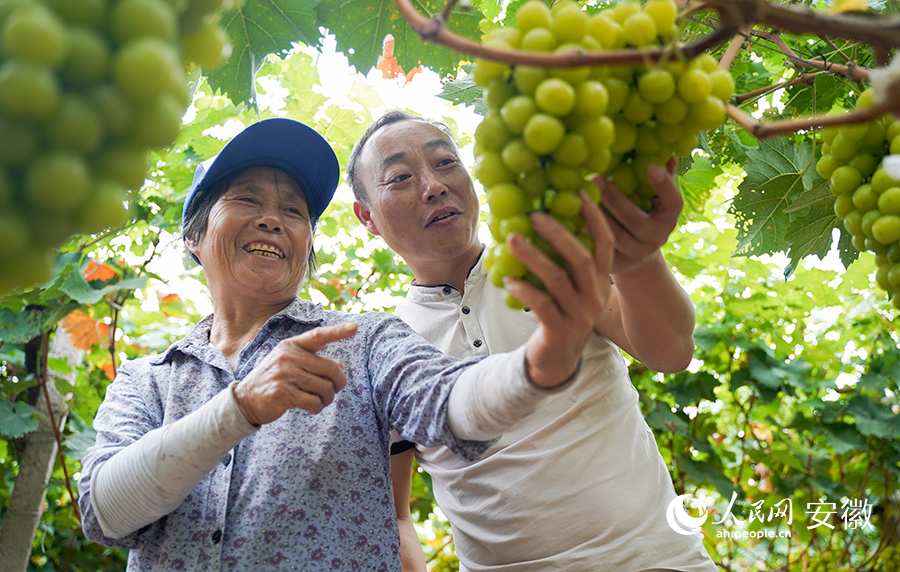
x: 364, y: 215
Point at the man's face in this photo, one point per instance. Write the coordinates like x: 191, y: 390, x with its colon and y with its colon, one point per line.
x: 258, y: 237
x: 421, y: 199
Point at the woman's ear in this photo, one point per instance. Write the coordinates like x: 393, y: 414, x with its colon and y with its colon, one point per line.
x: 192, y: 247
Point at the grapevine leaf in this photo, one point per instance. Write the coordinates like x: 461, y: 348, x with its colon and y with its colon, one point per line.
x: 463, y: 90
x: 16, y: 418
x: 82, y: 292
x: 257, y: 29
x: 777, y: 173
x: 80, y: 439
x: 361, y: 26
x: 811, y: 225
x: 828, y: 88
x: 750, y: 76
x: 697, y: 183
x: 20, y: 327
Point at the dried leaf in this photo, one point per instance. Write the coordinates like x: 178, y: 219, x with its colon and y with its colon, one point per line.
x: 96, y: 271
x: 86, y: 332
x: 387, y: 63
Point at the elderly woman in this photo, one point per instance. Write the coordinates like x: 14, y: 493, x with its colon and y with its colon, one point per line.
x: 260, y: 441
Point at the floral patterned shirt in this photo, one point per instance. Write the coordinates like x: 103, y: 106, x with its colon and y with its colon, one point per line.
x: 306, y: 492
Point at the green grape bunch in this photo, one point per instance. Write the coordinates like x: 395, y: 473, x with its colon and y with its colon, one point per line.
x: 548, y: 131
x: 867, y: 198
x: 828, y: 561
x: 888, y: 560
x: 87, y: 88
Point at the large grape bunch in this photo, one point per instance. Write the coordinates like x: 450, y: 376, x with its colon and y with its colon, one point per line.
x: 87, y: 87
x: 549, y: 130
x: 889, y: 560
x: 828, y: 561
x: 867, y: 199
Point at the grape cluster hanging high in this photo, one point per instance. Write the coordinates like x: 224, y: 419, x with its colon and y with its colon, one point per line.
x: 549, y: 130
x: 867, y: 198
x: 86, y: 88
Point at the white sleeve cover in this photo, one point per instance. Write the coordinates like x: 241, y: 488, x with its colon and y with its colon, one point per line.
x: 151, y: 477
x: 493, y: 395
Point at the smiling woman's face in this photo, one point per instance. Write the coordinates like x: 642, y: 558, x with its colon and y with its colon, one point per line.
x: 258, y: 238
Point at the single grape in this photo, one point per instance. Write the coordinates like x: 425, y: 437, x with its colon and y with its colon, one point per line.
x: 637, y: 109
x: 134, y: 19
x: 868, y: 219
x: 535, y: 182
x: 591, y: 99
x: 639, y: 30
x: 881, y: 181
x: 207, y: 46
x: 842, y: 148
x: 105, y: 208
x: 543, y: 133
x: 565, y: 204
x: 18, y: 141
x: 569, y: 22
x: 598, y: 133
x: 618, y: 94
x: 497, y: 92
x: 694, y: 85
x: 656, y: 86
x: 647, y: 142
x: 572, y: 152
x: 88, y: 60
x: 662, y: 12
x: 707, y: 113
x: 533, y: 14
x: 516, y: 223
x: 518, y: 158
x: 886, y: 229
x: 145, y: 68
x: 516, y: 112
x: 76, y: 126
x: 623, y: 10
x: 672, y: 111
x: 506, y: 200
x: 35, y: 34
x: 563, y: 178
x: 28, y: 90
x: 865, y: 198
x: 157, y: 123
x: 889, y: 201
x: 527, y: 78
x: 844, y: 180
x: 624, y: 179
x: 721, y: 84
x: 843, y: 205
x: 123, y: 164
x: 114, y: 108
x: 626, y: 136
x: 538, y: 40
x: 57, y: 180
x: 492, y: 133
x: 853, y: 222
x: 555, y: 96
x: 606, y: 31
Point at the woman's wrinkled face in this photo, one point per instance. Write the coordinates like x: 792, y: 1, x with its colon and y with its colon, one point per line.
x: 258, y: 237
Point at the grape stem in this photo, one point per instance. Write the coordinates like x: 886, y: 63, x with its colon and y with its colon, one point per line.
x: 435, y: 30
x: 807, y: 78
x: 850, y: 71
x: 766, y: 130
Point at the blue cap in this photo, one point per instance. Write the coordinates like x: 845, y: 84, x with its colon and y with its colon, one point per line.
x: 283, y: 143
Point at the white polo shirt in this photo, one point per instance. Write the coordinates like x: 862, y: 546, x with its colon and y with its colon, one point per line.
x: 578, y: 484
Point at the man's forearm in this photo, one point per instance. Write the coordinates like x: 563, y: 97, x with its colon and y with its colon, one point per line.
x: 658, y: 316
x: 493, y: 395
x: 151, y: 477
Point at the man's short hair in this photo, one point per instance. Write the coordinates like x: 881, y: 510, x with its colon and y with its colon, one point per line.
x: 393, y: 116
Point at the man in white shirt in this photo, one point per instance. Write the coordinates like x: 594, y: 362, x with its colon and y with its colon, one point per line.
x: 580, y: 484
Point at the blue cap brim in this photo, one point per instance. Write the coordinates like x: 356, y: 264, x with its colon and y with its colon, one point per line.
x: 282, y: 143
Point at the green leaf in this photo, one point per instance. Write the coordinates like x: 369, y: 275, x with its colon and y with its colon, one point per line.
x: 777, y: 172
x: 16, y: 418
x: 873, y: 418
x: 697, y: 183
x: 20, y: 327
x: 80, y: 439
x: 811, y: 225
x: 463, y: 91
x: 82, y: 292
x: 360, y: 27
x: 828, y: 88
x: 257, y: 29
